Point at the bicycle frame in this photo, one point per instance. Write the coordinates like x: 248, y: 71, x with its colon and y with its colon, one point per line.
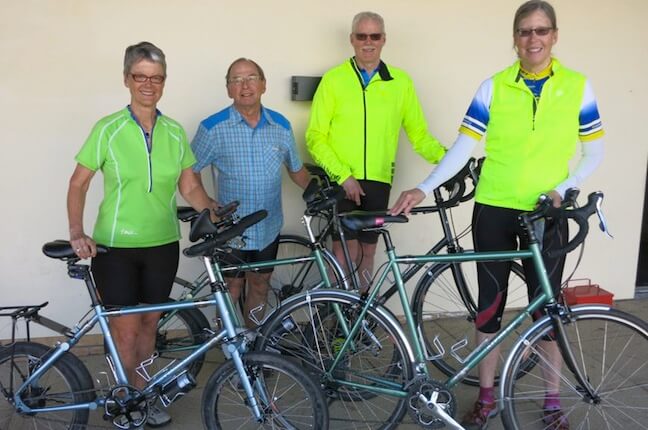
x: 100, y: 316
x: 545, y: 298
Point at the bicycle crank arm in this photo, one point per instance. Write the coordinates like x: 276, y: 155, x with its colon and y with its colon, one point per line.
x: 439, y: 413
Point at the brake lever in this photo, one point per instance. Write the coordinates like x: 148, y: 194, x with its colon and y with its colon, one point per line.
x: 603, y: 225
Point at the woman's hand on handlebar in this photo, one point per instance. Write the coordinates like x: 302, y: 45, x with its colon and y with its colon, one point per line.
x: 406, y: 201
x: 84, y: 246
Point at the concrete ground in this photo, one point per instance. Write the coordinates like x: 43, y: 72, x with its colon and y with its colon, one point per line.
x: 186, y: 412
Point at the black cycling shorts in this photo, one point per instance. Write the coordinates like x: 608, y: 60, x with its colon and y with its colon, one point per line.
x: 376, y: 198
x: 130, y: 276
x: 238, y: 256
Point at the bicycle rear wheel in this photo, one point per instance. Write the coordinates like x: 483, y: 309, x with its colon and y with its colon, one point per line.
x: 290, y: 279
x: 288, y: 397
x: 447, y: 308
x: 66, y: 382
x: 179, y: 333
x: 609, y: 348
x: 307, y: 330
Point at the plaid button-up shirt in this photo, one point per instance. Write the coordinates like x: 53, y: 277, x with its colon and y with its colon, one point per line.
x: 249, y: 161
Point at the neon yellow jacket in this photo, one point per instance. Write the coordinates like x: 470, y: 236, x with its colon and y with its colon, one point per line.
x: 529, y: 144
x: 353, y: 131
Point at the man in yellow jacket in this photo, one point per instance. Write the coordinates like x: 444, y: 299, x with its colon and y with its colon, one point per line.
x: 357, y: 113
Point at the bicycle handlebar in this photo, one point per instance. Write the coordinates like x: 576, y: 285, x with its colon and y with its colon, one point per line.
x: 187, y: 213
x: 319, y: 197
x: 204, y: 228
x: 579, y: 215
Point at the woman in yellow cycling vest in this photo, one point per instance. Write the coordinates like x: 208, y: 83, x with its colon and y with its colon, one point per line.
x: 533, y: 114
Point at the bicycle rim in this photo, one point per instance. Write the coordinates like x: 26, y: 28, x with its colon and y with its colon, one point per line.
x: 286, y: 395
x: 308, y: 331
x: 59, y: 385
x: 609, y: 347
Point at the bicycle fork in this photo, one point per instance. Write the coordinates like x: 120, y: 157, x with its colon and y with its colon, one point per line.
x: 588, y: 391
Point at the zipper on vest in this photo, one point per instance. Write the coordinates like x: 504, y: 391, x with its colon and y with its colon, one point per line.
x: 364, y: 113
x: 535, y: 109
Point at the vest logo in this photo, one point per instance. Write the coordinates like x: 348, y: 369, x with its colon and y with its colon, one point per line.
x: 125, y: 232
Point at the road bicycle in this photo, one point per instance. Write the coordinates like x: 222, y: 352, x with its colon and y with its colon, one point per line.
x: 49, y: 387
x: 374, y: 371
x: 445, y: 294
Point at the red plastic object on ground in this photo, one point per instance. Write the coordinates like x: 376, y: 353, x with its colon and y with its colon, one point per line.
x: 586, y: 293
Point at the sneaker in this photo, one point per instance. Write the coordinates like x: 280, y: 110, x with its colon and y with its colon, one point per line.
x: 477, y: 419
x: 158, y: 417
x: 555, y: 420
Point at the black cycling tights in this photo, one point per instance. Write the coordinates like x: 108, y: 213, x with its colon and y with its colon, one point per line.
x: 498, y: 229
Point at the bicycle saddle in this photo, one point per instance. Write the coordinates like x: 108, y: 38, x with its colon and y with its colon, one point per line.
x: 62, y: 250
x: 361, y: 220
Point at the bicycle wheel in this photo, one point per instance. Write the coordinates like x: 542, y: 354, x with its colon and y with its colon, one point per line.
x: 66, y: 382
x: 609, y: 348
x: 307, y: 330
x: 290, y: 279
x: 179, y: 333
x: 442, y: 308
x: 286, y: 395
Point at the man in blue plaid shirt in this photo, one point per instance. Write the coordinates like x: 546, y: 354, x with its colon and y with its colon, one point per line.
x: 248, y: 144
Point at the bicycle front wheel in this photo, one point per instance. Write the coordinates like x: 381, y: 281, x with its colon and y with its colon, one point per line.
x: 609, y: 348
x: 445, y: 305
x: 287, y: 396
x: 309, y: 330
x: 179, y: 333
x: 66, y: 382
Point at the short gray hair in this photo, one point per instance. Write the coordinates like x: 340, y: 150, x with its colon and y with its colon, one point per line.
x: 367, y: 15
x: 143, y: 51
x: 245, y: 60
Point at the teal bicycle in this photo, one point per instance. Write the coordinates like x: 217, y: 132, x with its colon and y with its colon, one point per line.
x: 50, y: 388
x: 374, y: 371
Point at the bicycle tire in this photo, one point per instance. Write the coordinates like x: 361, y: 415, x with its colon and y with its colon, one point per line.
x: 290, y: 279
x: 67, y: 381
x: 609, y: 347
x: 443, y: 308
x: 180, y: 331
x: 295, y: 401
x: 304, y: 330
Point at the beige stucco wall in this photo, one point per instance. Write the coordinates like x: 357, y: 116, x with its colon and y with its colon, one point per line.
x: 60, y: 70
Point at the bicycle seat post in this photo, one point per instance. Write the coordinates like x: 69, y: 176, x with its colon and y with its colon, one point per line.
x: 82, y: 271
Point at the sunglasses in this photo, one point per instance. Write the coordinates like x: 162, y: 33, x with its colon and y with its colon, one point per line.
x: 527, y: 32
x: 363, y: 36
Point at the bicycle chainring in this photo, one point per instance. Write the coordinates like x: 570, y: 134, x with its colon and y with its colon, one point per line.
x: 425, y: 392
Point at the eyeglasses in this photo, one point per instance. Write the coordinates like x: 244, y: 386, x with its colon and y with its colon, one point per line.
x: 238, y: 80
x: 540, y: 31
x: 155, y: 79
x: 373, y: 36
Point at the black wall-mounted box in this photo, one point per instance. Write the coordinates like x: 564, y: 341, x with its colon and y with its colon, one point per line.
x: 303, y: 87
